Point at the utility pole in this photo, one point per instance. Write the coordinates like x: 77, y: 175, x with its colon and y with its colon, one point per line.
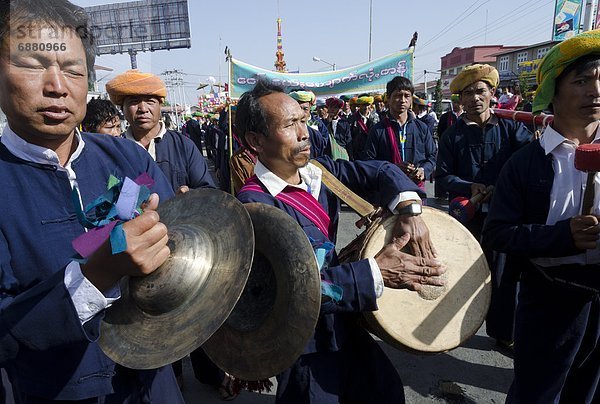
x: 588, y: 23
x: 174, y: 84
x: 370, y: 27
x: 425, y: 84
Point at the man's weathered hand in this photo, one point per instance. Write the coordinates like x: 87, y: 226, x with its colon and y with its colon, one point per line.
x: 419, y: 243
x: 585, y: 231
x: 404, y: 271
x: 146, y: 250
x: 419, y: 174
x: 477, y: 188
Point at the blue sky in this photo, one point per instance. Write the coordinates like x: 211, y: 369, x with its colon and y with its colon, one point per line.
x: 338, y: 32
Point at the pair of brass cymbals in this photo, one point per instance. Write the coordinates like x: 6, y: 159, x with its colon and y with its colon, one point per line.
x: 244, y: 274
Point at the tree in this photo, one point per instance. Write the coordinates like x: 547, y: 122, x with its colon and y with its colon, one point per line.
x: 524, y: 79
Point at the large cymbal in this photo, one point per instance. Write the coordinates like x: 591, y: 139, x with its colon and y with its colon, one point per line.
x: 278, y: 311
x: 164, y: 316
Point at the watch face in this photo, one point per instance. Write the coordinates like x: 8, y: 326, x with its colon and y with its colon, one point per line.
x: 413, y: 209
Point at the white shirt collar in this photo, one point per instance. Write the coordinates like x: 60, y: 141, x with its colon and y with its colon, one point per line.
x: 151, y: 146
x: 161, y: 133
x: 37, y: 154
x: 551, y: 139
x: 311, y: 179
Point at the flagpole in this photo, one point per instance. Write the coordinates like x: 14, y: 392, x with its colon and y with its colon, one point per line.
x: 229, y: 117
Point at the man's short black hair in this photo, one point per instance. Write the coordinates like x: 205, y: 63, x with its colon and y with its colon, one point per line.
x: 250, y: 116
x: 399, y: 83
x: 98, y: 113
x: 61, y: 15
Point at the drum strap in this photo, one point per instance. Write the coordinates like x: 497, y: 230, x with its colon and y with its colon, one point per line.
x: 366, y: 211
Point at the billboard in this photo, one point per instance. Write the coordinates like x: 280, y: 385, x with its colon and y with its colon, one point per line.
x: 364, y: 78
x: 567, y: 19
x: 140, y: 26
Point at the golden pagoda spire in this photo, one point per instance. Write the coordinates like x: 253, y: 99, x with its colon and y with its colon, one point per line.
x: 280, y: 64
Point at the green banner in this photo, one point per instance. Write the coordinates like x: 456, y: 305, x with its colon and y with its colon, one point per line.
x: 364, y: 78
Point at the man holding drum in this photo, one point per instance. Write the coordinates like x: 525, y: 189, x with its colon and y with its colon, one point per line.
x: 342, y: 362
x: 536, y: 213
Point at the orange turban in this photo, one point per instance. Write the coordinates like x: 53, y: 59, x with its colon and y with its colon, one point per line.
x: 134, y: 82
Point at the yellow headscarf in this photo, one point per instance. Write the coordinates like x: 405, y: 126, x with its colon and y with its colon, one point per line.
x: 472, y: 74
x: 555, y: 62
x: 364, y: 100
x: 303, y: 96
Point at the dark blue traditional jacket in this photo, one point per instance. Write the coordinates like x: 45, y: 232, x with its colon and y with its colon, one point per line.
x: 181, y: 162
x: 380, y: 183
x: 318, y: 142
x: 343, y: 134
x: 468, y: 153
x: 44, y: 347
x: 194, y: 132
x: 516, y: 222
x: 419, y: 149
x: 359, y: 138
x: 428, y: 120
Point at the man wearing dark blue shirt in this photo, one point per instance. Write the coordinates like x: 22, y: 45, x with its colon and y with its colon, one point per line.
x: 51, y: 306
x: 400, y: 137
x: 341, y: 362
x: 471, y: 155
x: 141, y: 95
x: 538, y: 213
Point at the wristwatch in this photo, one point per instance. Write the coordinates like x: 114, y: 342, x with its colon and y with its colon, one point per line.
x: 414, y: 209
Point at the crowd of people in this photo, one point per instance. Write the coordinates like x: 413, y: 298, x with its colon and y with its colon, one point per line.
x: 541, y: 247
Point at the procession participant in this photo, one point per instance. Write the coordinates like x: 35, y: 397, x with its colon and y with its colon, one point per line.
x: 352, y: 102
x: 194, y: 130
x: 471, y: 154
x: 420, y: 109
x: 341, y: 363
x: 140, y: 96
x: 338, y: 127
x: 318, y: 137
x: 505, y: 95
x: 102, y: 117
x: 51, y: 305
x: 514, y: 100
x: 449, y: 118
x: 536, y: 213
x: 321, y: 109
x: 379, y: 103
x: 399, y: 137
x: 360, y: 125
x: 345, y: 112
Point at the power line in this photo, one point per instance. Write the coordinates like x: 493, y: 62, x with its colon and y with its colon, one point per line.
x: 499, y: 23
x: 453, y: 23
x: 481, y: 31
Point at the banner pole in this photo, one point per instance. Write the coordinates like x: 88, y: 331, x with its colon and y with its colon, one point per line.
x: 229, y: 119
